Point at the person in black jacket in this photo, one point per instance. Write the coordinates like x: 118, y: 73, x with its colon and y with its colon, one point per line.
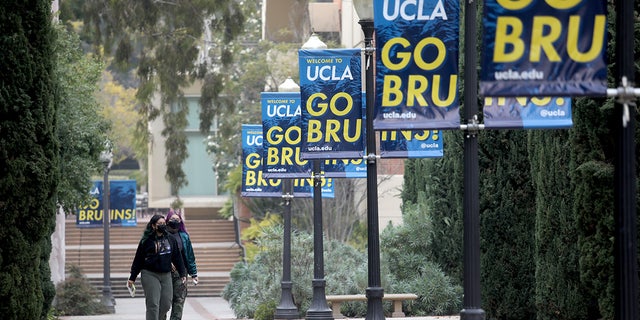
x: 177, y: 229
x: 154, y: 256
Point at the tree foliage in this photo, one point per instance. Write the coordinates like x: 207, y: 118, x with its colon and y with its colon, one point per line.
x: 173, y: 44
x: 592, y: 172
x: 80, y: 128
x: 440, y: 191
x: 559, y: 294
x: 29, y: 159
x: 119, y: 108
x: 507, y: 219
x: 592, y: 162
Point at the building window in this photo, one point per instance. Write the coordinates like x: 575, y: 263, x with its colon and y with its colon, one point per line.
x: 198, y: 167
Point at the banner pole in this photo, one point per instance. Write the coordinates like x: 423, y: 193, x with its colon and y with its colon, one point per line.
x: 625, y: 243
x: 471, y: 205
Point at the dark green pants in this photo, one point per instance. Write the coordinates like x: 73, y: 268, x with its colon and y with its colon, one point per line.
x: 179, y: 296
x: 158, y: 291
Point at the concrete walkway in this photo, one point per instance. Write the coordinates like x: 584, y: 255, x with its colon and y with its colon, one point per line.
x: 195, y: 308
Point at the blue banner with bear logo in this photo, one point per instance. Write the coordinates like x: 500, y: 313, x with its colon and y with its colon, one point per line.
x: 122, y: 205
x: 254, y: 184
x: 331, y: 93
x: 527, y: 113
x: 416, y: 64
x: 544, y: 48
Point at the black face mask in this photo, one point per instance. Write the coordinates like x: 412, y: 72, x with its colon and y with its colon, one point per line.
x: 162, y: 228
x: 173, y: 224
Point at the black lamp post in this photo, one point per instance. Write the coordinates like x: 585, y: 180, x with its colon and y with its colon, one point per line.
x: 287, y: 308
x: 108, y: 300
x: 625, y: 244
x: 319, y: 309
x: 471, y: 202
x: 364, y: 8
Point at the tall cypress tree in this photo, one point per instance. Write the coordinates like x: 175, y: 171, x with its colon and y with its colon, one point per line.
x: 559, y: 293
x: 592, y: 162
x: 507, y: 216
x: 28, y: 154
x: 592, y: 173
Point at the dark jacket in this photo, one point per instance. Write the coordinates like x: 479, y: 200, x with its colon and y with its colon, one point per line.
x: 187, y: 251
x: 156, y: 254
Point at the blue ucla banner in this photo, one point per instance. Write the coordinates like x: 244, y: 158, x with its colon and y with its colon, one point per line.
x: 408, y: 143
x: 282, y: 136
x: 330, y: 89
x: 411, y: 144
x: 254, y: 184
x: 344, y: 168
x: 417, y: 64
x: 122, y: 205
x: 527, y: 113
x: 544, y: 48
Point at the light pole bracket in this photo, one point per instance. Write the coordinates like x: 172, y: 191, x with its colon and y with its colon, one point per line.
x: 627, y: 96
x: 371, y: 157
x: 287, y: 197
x: 369, y: 50
x: 318, y: 176
x: 472, y: 127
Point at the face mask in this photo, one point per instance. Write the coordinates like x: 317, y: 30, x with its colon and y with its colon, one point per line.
x: 162, y: 228
x: 173, y: 224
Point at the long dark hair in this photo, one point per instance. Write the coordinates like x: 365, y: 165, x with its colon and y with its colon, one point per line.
x: 148, y: 231
x: 182, y: 226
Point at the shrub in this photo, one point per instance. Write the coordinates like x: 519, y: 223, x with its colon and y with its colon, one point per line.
x: 76, y: 296
x: 266, y: 311
x: 436, y: 293
x: 256, y: 283
x: 407, y: 249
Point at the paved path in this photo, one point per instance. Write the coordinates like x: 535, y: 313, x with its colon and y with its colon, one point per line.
x: 195, y: 308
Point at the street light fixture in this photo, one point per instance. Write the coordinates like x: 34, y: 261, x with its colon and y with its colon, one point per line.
x: 287, y: 308
x: 375, y: 292
x: 319, y: 309
x: 106, y: 157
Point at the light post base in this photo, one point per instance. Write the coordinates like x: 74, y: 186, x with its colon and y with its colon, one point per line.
x: 319, y: 309
x: 287, y: 308
x: 375, y: 311
x: 108, y: 300
x: 472, y: 314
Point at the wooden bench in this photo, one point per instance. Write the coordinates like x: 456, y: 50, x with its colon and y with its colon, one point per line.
x: 397, y: 298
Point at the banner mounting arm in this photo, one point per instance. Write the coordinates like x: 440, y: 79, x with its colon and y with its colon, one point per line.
x: 472, y: 127
x: 626, y: 97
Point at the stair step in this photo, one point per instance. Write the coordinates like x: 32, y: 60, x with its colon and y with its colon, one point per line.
x: 207, y: 286
x: 214, y: 247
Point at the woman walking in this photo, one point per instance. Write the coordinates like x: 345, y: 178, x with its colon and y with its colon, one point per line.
x: 154, y: 258
x: 177, y: 229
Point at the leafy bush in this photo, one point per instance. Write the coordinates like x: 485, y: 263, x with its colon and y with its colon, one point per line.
x: 258, y: 282
x: 406, y: 248
x: 255, y: 231
x: 266, y: 311
x: 75, y: 296
x: 436, y: 293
